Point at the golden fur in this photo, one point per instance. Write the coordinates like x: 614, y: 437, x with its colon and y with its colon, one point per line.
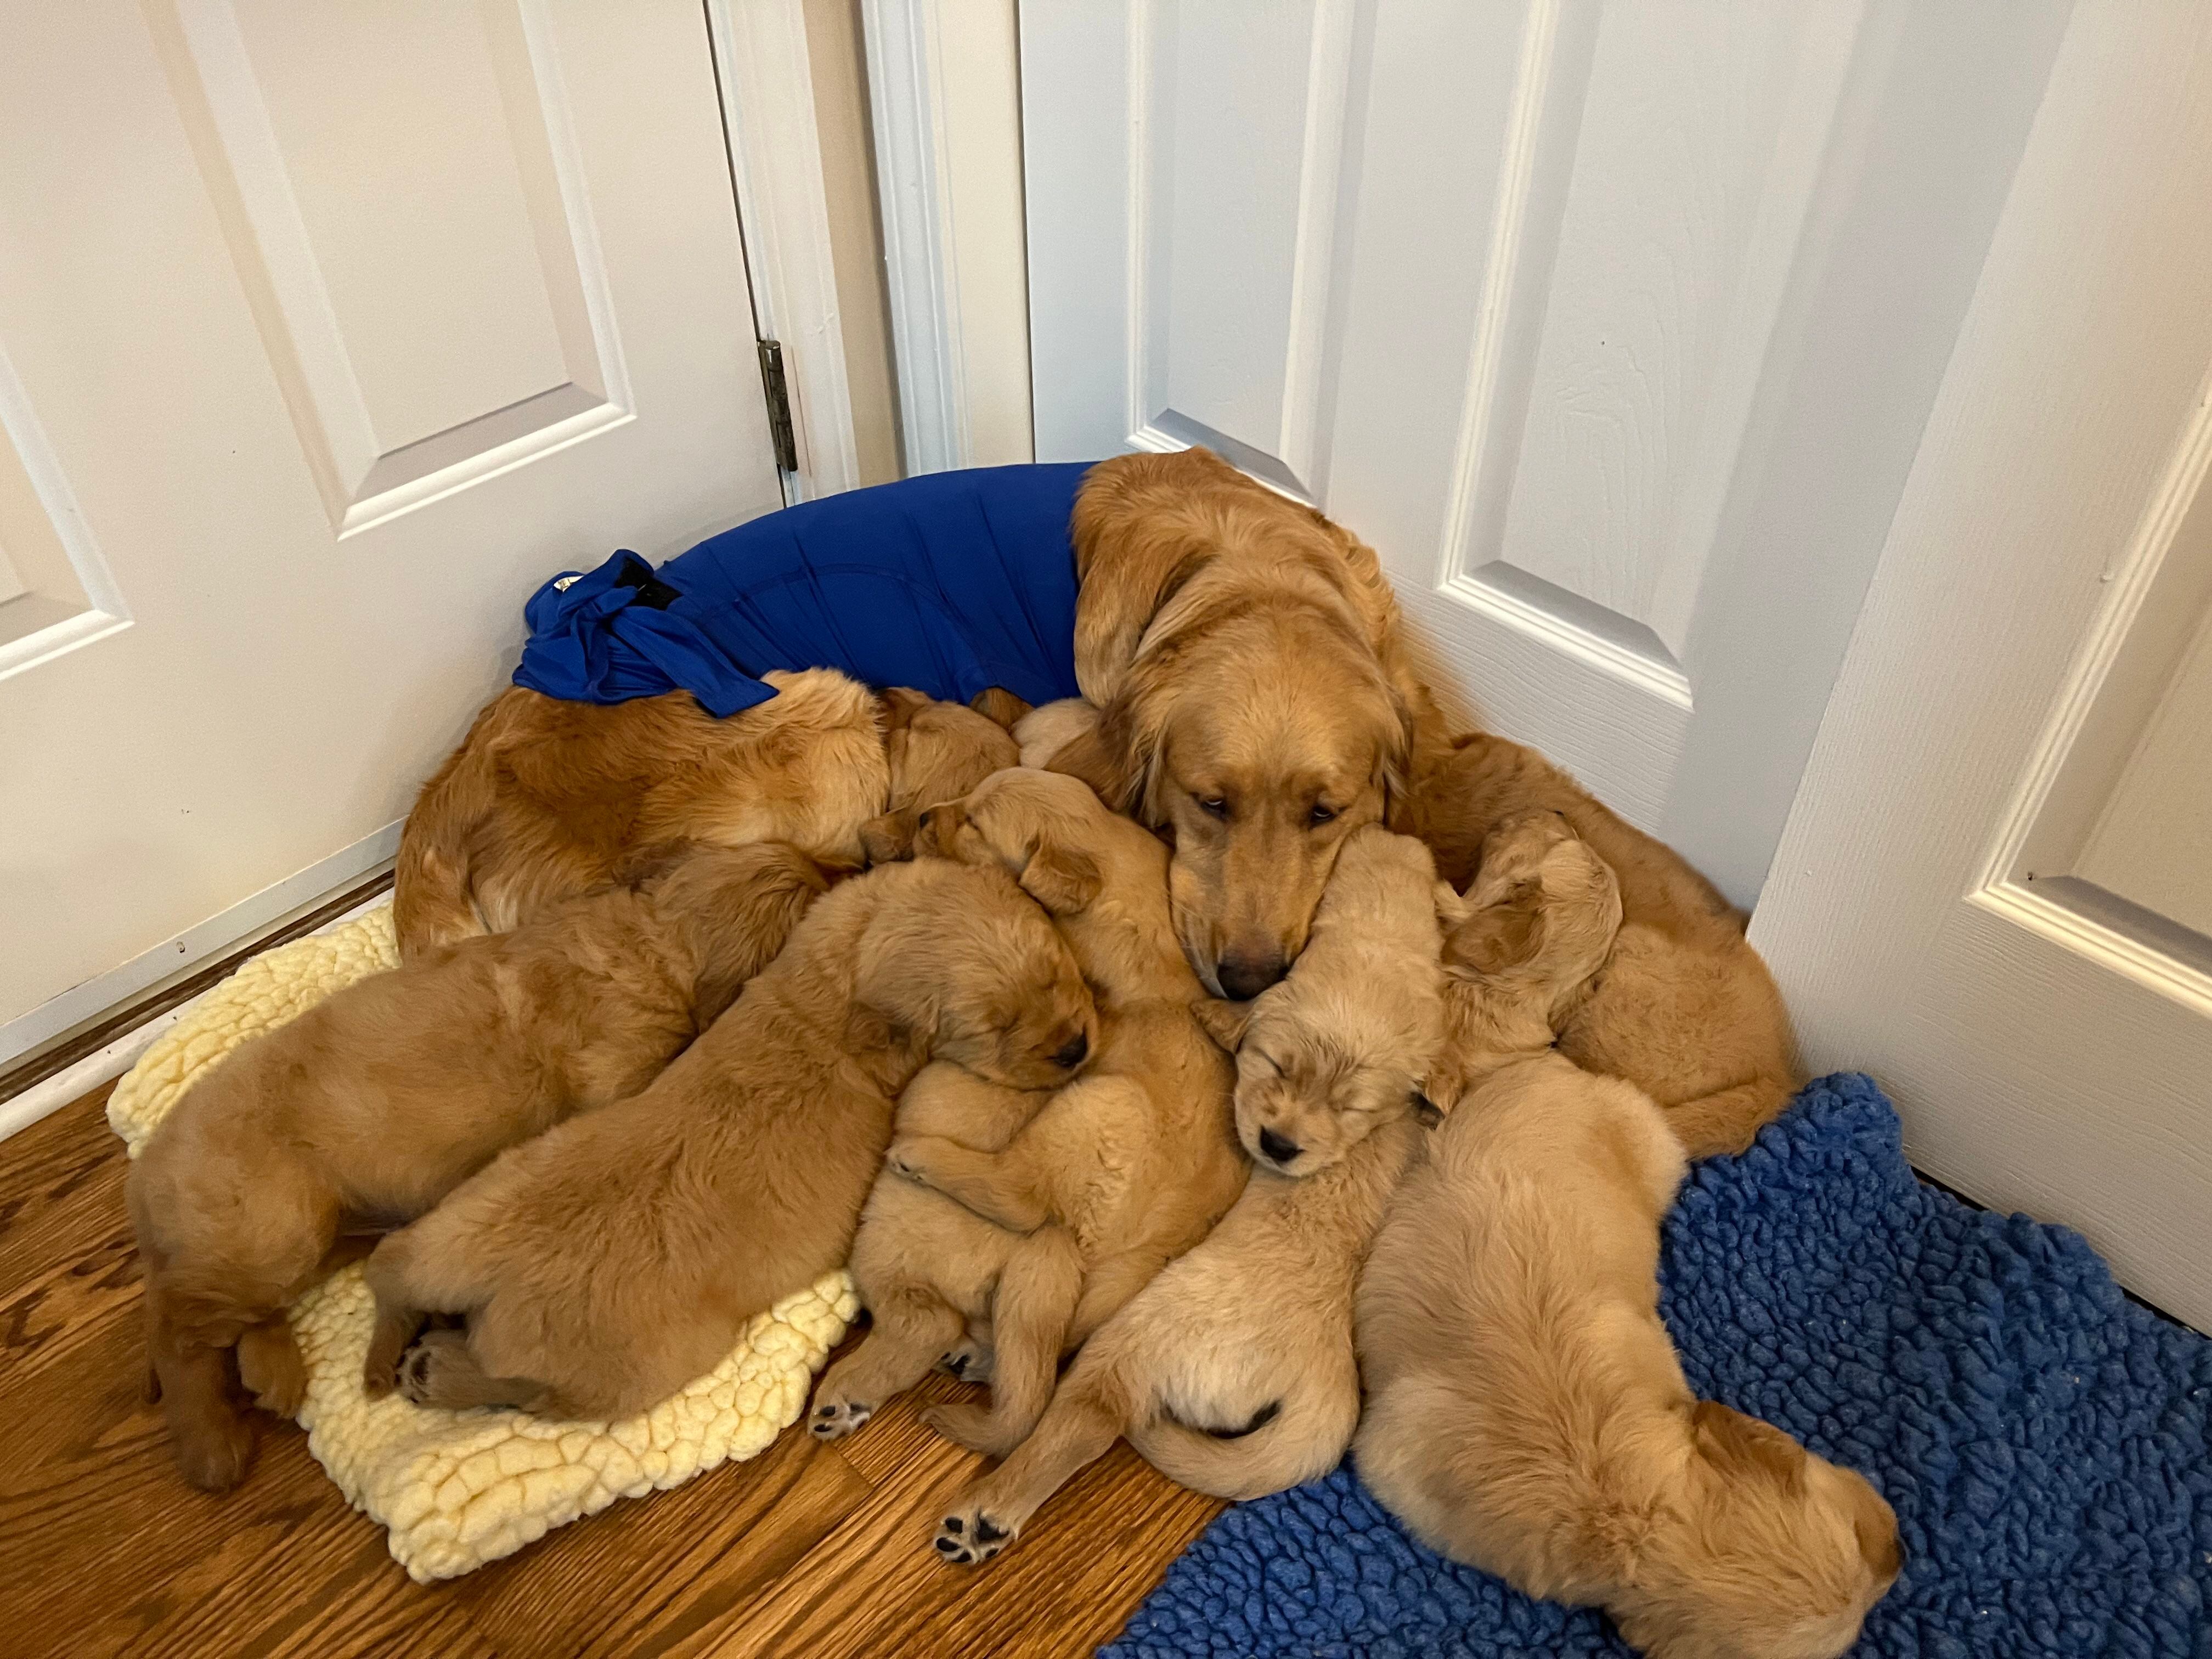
x: 1233, y: 1370
x: 1117, y: 1174
x: 372, y: 1106
x: 545, y: 799
x: 1526, y: 1411
x: 1686, y: 1010
x: 616, y: 1257
x: 1255, y: 701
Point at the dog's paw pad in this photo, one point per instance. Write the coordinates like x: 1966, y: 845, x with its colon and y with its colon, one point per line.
x: 971, y: 1362
x: 970, y: 1538
x: 838, y: 1419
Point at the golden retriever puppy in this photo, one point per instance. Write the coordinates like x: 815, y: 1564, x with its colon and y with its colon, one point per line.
x: 1119, y: 1173
x: 1255, y: 696
x: 1526, y: 1413
x: 608, y: 1262
x: 1045, y: 731
x: 1232, y: 1371
x: 1686, y: 1010
x: 372, y: 1106
x: 546, y: 798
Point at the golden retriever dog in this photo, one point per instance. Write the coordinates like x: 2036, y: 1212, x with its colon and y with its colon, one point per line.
x: 608, y: 1262
x: 1255, y: 700
x: 1526, y: 1411
x: 1119, y: 1172
x: 373, y: 1105
x: 1686, y: 1010
x: 1233, y: 1372
x: 545, y: 799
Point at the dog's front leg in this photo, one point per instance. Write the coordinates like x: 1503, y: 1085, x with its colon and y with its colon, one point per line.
x: 997, y: 1185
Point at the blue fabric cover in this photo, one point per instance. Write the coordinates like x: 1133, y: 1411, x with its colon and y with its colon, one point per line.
x: 2042, y: 1438
x: 951, y: 583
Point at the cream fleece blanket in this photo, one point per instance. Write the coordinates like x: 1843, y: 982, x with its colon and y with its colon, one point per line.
x: 454, y: 1489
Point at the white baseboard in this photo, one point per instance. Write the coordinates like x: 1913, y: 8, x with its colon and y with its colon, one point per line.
x: 195, y: 947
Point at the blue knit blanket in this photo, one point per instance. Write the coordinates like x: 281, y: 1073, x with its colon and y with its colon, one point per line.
x: 2042, y: 1438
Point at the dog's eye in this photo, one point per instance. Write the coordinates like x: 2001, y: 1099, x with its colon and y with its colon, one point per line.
x: 1217, y: 806
x: 1320, y: 814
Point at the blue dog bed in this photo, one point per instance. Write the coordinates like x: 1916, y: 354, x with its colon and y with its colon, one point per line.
x: 951, y: 583
x: 2042, y: 1438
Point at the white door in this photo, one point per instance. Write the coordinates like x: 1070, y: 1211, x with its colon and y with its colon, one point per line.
x: 1995, y: 890
x: 1613, y: 327
x: 326, y: 332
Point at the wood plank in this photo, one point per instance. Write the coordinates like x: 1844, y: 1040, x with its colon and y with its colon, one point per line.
x: 875, y: 1585
x: 713, y: 1544
x: 63, y: 1184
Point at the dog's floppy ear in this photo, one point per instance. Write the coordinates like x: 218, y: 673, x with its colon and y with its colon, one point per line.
x: 1062, y: 879
x: 999, y: 706
x: 1498, y: 936
x: 1224, y: 1022
x: 888, y: 839
x: 897, y: 705
x: 1744, y: 1449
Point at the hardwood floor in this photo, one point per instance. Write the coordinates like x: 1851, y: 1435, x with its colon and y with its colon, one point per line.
x: 814, y: 1550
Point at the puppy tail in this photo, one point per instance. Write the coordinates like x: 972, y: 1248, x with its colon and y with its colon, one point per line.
x: 1284, y: 1443
x: 431, y: 902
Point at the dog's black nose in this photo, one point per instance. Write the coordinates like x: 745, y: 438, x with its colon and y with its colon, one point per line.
x: 1071, y: 1053
x: 1244, y: 977
x: 1281, y: 1148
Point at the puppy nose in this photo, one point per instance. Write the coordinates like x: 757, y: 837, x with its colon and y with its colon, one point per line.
x: 1281, y: 1148
x: 1072, y: 1051
x: 1244, y: 977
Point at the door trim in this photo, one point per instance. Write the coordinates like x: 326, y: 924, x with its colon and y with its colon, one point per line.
x: 765, y: 77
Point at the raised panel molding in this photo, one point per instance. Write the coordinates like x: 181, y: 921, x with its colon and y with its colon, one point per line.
x: 57, y: 592
x: 539, y: 391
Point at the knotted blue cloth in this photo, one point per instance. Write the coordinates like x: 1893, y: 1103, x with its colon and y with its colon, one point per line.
x: 951, y: 583
x: 2044, y: 1440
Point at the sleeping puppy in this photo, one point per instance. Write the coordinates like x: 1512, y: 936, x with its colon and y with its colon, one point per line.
x: 609, y: 1261
x: 1526, y: 1411
x: 373, y: 1105
x: 546, y: 798
x: 1232, y: 1372
x: 1255, y: 701
x: 1686, y: 1011
x: 1117, y: 1174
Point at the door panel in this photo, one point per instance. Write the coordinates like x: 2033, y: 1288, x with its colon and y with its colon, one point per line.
x: 1518, y: 293
x: 1990, y: 892
x: 326, y: 334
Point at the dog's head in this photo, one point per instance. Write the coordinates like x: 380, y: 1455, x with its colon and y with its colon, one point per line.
x: 1048, y: 830
x: 938, y: 751
x: 1782, y: 1553
x: 960, y: 961
x: 1244, y: 712
x: 1345, y: 1042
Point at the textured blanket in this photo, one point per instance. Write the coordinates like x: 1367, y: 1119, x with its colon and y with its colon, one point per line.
x: 454, y: 1489
x: 2043, y: 1439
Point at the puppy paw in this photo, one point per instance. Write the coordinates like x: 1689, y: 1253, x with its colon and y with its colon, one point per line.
x: 968, y: 1536
x: 213, y: 1452
x: 971, y: 1361
x: 834, y: 1417
x: 427, y: 1370
x: 909, y: 1157
x: 272, y: 1367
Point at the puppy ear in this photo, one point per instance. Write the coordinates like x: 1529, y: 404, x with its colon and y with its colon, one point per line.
x: 897, y: 705
x: 890, y: 838
x: 999, y: 705
x: 1498, y: 936
x: 1062, y: 880
x: 867, y: 1027
x: 1224, y: 1022
x: 1744, y: 1449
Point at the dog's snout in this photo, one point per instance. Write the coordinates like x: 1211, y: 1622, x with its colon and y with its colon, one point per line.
x: 1280, y: 1148
x: 1072, y: 1052
x: 1244, y: 976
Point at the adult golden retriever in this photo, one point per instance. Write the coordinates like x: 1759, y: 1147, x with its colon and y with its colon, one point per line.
x: 1255, y: 700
